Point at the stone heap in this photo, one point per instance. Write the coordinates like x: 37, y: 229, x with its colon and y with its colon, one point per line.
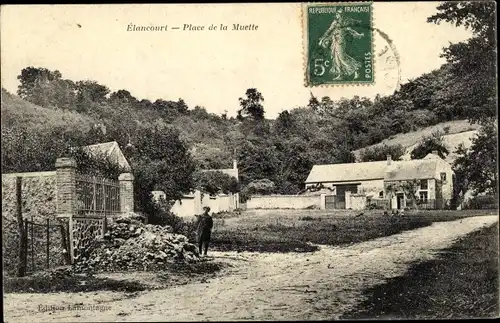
x: 129, y: 244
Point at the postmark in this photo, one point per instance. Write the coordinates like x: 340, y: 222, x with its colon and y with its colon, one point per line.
x: 338, y: 43
x: 387, y: 63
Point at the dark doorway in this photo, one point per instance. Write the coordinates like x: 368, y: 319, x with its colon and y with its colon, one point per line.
x: 400, y: 197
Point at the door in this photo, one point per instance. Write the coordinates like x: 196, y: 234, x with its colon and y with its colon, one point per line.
x: 400, y: 200
x: 341, y: 189
x: 334, y: 202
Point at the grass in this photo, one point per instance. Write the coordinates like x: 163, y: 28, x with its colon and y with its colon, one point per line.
x: 463, y: 283
x: 411, y: 138
x: 76, y: 283
x: 171, y: 275
x: 18, y: 112
x: 302, y: 230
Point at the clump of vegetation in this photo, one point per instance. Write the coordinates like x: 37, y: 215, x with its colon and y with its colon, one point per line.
x: 379, y: 153
x: 428, y: 144
x: 309, y: 218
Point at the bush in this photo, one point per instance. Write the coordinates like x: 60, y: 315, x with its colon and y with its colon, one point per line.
x: 258, y: 187
x: 482, y: 202
x: 374, y: 206
x: 309, y: 218
x: 160, y: 214
x: 427, y: 144
x: 379, y: 153
x: 215, y: 182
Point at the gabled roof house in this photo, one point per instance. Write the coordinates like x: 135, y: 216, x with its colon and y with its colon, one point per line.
x: 434, y: 174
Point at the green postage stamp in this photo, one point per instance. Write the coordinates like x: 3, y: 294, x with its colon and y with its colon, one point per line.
x: 338, y: 43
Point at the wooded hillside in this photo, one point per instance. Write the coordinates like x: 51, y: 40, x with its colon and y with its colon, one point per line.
x: 167, y: 141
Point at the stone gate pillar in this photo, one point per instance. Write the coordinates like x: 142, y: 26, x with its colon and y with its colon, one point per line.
x: 66, y: 201
x: 66, y: 187
x: 126, y: 192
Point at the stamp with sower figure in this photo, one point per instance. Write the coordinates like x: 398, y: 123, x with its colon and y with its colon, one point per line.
x: 338, y: 43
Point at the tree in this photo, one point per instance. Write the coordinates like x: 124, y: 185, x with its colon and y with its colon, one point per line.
x: 209, y: 156
x: 284, y: 124
x: 257, y: 161
x: 251, y: 106
x: 473, y: 62
x: 123, y: 97
x: 410, y: 189
x: 215, y: 182
x: 161, y: 161
x: 378, y: 153
x: 90, y: 94
x: 258, y: 187
x: 428, y: 144
x: 46, y: 88
x: 476, y: 168
x: 296, y: 161
x: 170, y: 109
x: 390, y: 191
x: 31, y: 78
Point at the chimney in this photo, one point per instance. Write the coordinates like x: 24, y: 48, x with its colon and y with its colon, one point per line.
x: 389, y: 159
x: 434, y: 152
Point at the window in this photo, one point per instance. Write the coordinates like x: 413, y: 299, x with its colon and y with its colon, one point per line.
x: 381, y: 194
x: 423, y: 196
x: 423, y: 184
x: 443, y: 177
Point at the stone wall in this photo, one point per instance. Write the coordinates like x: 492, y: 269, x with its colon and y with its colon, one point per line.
x: 38, y: 196
x: 48, y: 196
x: 38, y: 205
x: 193, y: 204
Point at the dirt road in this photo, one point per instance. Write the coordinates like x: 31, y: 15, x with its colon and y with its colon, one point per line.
x: 304, y: 286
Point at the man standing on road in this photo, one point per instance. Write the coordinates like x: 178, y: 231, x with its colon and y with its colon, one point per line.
x: 204, y: 230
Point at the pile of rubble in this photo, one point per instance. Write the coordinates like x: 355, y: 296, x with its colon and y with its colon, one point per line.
x: 129, y: 244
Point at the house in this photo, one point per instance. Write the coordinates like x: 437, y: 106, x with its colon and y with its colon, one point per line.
x: 194, y: 202
x: 430, y: 180
x: 111, y: 150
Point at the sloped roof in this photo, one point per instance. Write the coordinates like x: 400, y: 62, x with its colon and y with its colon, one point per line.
x: 110, y: 149
x: 347, y: 172
x: 411, y: 169
x: 432, y: 156
x: 396, y: 171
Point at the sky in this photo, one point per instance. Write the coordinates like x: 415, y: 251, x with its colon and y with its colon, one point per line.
x: 205, y: 67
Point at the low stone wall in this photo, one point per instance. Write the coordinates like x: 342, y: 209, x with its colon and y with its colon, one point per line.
x: 194, y: 203
x: 284, y: 202
x: 187, y: 207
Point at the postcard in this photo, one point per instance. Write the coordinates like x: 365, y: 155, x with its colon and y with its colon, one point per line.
x: 249, y: 161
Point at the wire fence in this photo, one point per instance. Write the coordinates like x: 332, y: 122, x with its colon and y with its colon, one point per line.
x: 45, y: 245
